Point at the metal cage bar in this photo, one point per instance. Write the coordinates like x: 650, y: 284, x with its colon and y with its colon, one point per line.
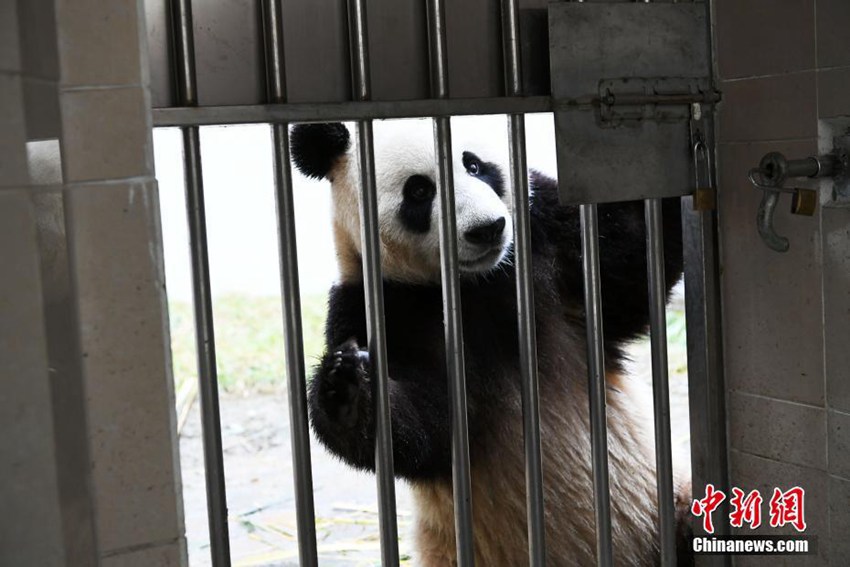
x: 706, y: 383
x: 660, y: 379
x: 184, y: 51
x: 525, y: 294
x: 291, y: 296
x: 440, y: 108
x: 461, y: 476
x: 347, y: 111
x: 373, y: 280
x: 596, y: 381
x: 704, y: 324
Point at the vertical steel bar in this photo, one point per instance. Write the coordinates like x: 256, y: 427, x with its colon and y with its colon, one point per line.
x: 452, y: 314
x: 703, y: 315
x: 660, y: 378
x: 596, y: 380
x: 370, y: 238
x: 450, y: 277
x: 439, y: 59
x: 528, y: 345
x: 205, y: 336
x: 183, y: 36
x: 292, y: 328
x: 660, y: 384
x: 525, y: 293
x: 706, y: 385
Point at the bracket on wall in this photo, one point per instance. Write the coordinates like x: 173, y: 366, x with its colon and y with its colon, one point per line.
x: 774, y: 170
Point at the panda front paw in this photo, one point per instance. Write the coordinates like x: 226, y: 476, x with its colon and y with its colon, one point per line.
x: 345, y: 378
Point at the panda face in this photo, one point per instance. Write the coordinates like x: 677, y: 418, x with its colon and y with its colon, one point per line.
x: 408, y: 201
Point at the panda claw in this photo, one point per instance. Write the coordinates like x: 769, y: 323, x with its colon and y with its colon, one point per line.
x: 347, y: 369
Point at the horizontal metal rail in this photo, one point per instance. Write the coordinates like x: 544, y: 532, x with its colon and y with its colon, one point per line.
x: 381, y: 110
x: 346, y: 111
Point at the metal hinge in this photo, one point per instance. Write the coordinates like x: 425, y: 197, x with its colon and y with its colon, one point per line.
x: 659, y: 99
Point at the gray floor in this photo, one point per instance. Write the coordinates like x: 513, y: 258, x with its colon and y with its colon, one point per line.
x: 258, y: 469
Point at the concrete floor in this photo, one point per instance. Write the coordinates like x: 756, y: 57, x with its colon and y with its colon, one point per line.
x: 258, y: 472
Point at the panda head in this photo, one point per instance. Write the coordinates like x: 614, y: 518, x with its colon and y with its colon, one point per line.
x: 406, y: 171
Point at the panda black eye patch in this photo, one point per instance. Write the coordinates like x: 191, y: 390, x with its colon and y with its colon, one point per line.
x: 489, y: 173
x: 415, y: 210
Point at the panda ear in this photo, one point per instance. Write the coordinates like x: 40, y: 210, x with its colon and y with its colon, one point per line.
x: 316, y: 147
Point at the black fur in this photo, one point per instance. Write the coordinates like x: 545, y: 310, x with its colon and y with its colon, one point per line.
x: 418, y: 200
x: 415, y: 345
x: 622, y: 240
x: 316, y: 147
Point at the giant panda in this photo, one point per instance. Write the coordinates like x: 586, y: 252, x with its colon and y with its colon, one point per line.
x: 339, y: 396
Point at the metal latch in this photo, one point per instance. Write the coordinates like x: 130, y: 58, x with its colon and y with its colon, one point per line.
x: 772, y: 173
x: 661, y: 99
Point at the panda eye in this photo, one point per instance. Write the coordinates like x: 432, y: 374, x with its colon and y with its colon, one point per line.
x: 419, y: 188
x: 471, y: 163
x: 419, y: 192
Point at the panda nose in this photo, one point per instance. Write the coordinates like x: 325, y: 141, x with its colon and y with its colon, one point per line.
x: 489, y: 233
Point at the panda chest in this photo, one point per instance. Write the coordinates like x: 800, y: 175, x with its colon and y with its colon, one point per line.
x: 415, y: 328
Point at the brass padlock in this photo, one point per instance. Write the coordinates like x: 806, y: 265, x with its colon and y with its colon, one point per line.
x: 705, y: 196
x: 804, y: 202
x: 705, y: 199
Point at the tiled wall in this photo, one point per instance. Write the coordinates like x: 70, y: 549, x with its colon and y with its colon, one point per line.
x: 84, y: 346
x: 784, y: 66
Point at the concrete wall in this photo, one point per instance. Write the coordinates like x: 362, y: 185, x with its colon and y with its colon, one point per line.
x: 86, y: 410
x: 784, y: 69
x: 31, y: 527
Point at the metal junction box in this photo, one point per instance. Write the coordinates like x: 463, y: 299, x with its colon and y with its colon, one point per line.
x: 625, y: 78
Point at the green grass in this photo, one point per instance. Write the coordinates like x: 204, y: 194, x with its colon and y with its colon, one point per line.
x: 676, y: 331
x: 248, y: 339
